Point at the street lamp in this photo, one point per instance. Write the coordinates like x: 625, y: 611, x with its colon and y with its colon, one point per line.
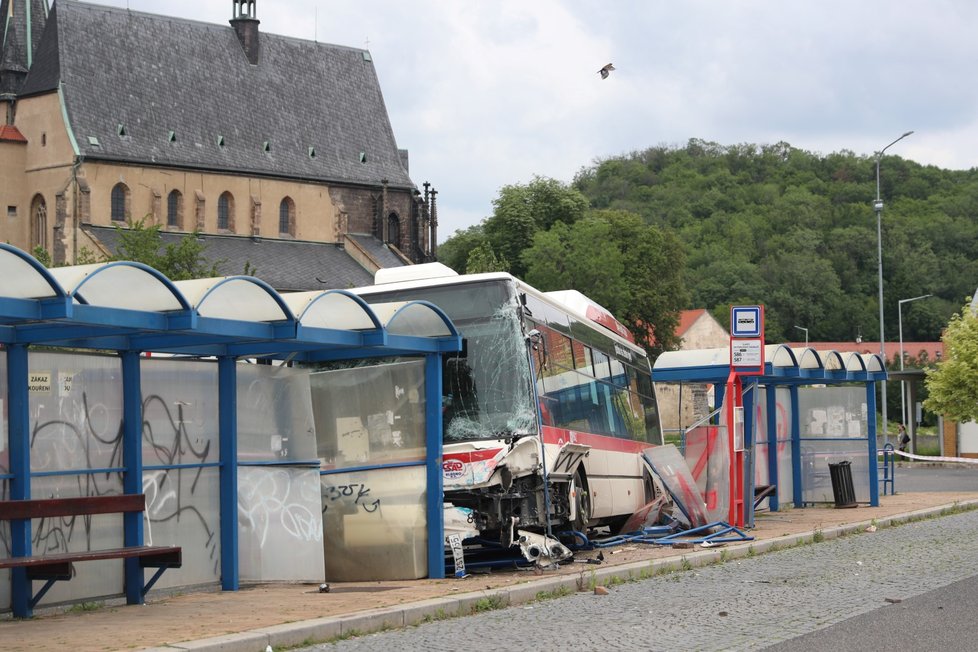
x: 878, y: 206
x: 903, y: 389
x: 802, y: 328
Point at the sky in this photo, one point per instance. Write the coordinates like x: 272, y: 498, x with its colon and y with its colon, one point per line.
x: 489, y: 93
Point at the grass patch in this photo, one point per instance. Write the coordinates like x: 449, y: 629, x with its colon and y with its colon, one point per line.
x: 751, y: 552
x: 83, y: 607
x: 488, y: 603
x: 686, y: 564
x: 559, y: 592
x: 441, y: 614
x: 818, y: 536
x: 614, y: 580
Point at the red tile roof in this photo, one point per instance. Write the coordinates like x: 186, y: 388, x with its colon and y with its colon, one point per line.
x: 12, y: 134
x: 686, y: 320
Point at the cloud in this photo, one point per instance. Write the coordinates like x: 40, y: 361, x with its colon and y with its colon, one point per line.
x: 489, y: 94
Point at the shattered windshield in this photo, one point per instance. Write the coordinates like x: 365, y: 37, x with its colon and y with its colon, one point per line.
x: 486, y: 388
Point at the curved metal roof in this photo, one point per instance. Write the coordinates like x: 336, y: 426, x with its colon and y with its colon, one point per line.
x: 126, y: 285
x: 783, y: 365
x: 130, y: 306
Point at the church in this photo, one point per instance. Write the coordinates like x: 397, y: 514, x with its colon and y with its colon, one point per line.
x: 277, y: 152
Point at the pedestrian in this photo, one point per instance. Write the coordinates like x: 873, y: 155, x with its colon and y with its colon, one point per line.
x: 904, y: 438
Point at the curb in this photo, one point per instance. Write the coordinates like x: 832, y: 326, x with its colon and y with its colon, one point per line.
x: 320, y: 630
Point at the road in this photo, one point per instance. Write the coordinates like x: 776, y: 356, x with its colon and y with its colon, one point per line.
x: 920, y: 477
x: 907, y: 587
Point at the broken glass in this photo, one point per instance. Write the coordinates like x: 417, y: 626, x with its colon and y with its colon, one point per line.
x: 486, y: 388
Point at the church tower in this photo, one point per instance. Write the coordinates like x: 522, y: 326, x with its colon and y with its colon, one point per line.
x: 245, y: 24
x: 21, y: 25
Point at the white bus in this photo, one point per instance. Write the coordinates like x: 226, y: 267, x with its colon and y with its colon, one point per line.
x: 547, y: 408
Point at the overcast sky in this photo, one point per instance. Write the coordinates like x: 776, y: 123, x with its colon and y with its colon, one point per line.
x: 486, y: 93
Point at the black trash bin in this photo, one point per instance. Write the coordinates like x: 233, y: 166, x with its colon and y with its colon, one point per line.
x: 842, y: 488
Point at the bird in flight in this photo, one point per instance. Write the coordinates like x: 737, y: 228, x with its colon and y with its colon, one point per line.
x: 604, y: 72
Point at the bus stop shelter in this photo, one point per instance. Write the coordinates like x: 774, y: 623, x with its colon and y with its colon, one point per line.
x: 807, y: 409
x: 127, y: 310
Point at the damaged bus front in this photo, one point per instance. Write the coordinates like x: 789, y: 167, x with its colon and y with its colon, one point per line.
x: 545, y: 411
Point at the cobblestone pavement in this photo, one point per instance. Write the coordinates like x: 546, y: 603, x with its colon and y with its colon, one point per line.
x: 742, y: 604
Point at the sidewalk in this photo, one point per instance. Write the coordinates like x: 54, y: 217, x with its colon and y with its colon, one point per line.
x: 290, y: 614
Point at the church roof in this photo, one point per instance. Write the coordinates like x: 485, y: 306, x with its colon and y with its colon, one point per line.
x: 148, y: 89
x: 377, y: 250
x: 286, y: 265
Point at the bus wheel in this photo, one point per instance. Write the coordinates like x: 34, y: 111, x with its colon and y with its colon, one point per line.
x: 582, y: 503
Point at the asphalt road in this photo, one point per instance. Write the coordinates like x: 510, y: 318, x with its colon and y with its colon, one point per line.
x: 919, y: 477
x: 910, y: 587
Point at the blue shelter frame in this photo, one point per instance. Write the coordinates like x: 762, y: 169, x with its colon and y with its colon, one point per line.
x: 130, y: 308
x: 783, y: 367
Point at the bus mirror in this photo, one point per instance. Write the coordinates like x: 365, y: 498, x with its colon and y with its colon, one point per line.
x: 534, y: 337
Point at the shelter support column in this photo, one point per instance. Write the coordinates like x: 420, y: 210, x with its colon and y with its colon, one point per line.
x: 796, y: 479
x: 18, y: 413
x: 228, y: 433
x: 874, y: 483
x: 771, y: 421
x: 132, y: 456
x: 433, y: 467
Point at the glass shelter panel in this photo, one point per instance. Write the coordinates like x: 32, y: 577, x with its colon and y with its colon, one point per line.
x: 782, y: 408
x: 369, y: 415
x: 834, y: 428
x: 280, y: 531
x: 374, y: 525
x: 181, y: 449
x: 75, y: 417
x: 275, y: 416
x: 180, y: 412
x: 183, y: 508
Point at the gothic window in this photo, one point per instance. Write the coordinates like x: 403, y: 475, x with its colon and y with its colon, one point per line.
x: 120, y: 202
x: 394, y: 230
x: 39, y: 222
x: 225, y: 212
x: 174, y: 209
x: 286, y: 217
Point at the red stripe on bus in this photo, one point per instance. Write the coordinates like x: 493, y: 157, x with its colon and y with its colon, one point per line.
x: 561, y: 436
x: 473, y: 456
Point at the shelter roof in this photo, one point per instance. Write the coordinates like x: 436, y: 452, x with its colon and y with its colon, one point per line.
x: 127, y: 306
x: 783, y: 365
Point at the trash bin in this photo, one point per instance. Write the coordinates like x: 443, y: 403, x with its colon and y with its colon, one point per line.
x: 842, y: 488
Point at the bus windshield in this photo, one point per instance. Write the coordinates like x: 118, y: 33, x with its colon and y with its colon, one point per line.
x: 487, y: 390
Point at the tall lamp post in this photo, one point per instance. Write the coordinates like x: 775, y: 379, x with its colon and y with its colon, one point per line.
x: 878, y: 205
x: 903, y: 389
x: 802, y: 328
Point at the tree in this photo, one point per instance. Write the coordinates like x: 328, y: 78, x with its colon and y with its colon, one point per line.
x: 455, y: 251
x: 177, y: 261
x: 521, y: 211
x: 953, y: 385
x: 632, y: 269
x: 483, y: 259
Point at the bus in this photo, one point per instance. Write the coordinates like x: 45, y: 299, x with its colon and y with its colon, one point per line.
x: 545, y: 411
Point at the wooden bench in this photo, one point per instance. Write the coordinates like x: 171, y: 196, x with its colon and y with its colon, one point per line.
x: 59, y: 566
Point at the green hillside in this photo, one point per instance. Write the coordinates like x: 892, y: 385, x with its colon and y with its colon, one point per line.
x: 768, y: 224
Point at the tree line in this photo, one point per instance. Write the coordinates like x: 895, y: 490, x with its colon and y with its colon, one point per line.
x: 704, y: 225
